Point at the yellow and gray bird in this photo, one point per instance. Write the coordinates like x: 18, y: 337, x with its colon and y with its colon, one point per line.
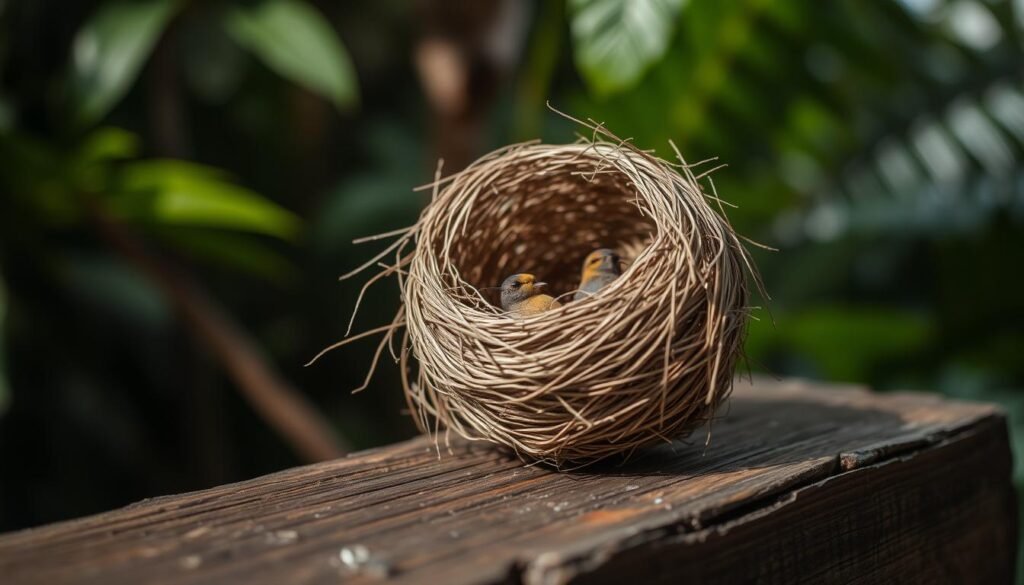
x: 522, y: 296
x: 600, y: 268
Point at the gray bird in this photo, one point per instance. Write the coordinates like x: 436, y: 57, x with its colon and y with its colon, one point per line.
x: 601, y: 267
x: 522, y: 295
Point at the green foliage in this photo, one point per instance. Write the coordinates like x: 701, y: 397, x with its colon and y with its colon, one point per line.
x: 214, y: 66
x: 289, y: 36
x: 863, y: 114
x: 295, y: 41
x: 173, y: 192
x: 380, y: 195
x: 840, y: 342
x: 187, y: 205
x: 106, y: 144
x: 101, y: 281
x: 110, y: 49
x: 233, y: 251
x: 617, y: 40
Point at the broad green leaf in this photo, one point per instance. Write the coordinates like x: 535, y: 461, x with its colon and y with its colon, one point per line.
x: 615, y: 41
x: 110, y: 49
x: 294, y: 40
x: 172, y: 192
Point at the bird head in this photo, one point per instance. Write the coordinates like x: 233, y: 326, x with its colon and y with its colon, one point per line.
x: 518, y: 288
x: 602, y: 260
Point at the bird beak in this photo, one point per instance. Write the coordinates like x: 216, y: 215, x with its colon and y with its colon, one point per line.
x: 540, y: 285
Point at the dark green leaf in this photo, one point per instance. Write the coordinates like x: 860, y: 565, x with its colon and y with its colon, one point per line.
x: 107, y: 284
x: 214, y: 65
x: 110, y: 49
x: 106, y: 144
x: 240, y: 252
x: 172, y: 192
x: 364, y: 205
x: 614, y: 41
x: 376, y: 200
x: 296, y: 41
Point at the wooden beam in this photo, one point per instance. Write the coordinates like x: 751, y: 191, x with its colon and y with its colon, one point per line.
x: 799, y: 484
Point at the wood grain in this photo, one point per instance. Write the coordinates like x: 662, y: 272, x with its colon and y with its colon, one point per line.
x: 799, y: 484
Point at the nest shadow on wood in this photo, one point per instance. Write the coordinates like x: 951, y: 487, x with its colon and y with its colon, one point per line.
x: 647, y: 359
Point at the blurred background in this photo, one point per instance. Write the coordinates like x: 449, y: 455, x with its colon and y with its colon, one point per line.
x: 182, y: 181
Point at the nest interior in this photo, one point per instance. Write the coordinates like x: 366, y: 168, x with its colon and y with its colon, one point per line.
x: 646, y: 360
x: 554, y: 212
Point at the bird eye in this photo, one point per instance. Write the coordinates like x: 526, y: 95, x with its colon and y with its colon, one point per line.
x: 516, y: 284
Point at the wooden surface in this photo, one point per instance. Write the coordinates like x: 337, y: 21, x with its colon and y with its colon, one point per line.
x: 800, y: 484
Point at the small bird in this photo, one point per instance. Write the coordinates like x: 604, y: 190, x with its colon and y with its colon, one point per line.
x: 521, y: 296
x: 600, y: 268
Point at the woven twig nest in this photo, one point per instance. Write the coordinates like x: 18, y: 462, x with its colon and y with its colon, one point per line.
x: 647, y: 359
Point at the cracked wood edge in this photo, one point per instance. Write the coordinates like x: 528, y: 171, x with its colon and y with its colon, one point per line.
x: 959, y: 486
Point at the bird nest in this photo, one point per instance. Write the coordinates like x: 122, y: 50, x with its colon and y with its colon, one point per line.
x: 647, y: 359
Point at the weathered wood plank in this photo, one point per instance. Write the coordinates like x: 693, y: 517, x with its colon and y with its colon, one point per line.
x: 799, y: 484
